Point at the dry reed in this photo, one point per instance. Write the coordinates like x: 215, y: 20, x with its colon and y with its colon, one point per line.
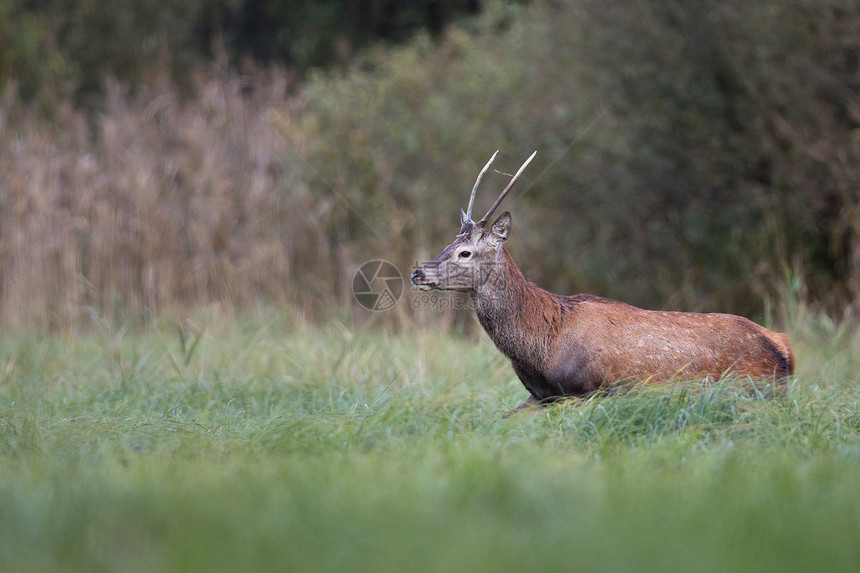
x: 153, y: 204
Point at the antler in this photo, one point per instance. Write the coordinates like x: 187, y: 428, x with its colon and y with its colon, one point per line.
x: 467, y: 216
x: 513, y: 180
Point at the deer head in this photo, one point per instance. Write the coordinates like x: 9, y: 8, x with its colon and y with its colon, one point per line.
x: 468, y: 262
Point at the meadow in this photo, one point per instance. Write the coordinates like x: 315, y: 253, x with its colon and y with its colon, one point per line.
x: 265, y: 443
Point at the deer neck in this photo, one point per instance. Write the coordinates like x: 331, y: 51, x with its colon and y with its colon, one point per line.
x: 516, y: 313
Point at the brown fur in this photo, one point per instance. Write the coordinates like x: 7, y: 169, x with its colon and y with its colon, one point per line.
x: 572, y: 345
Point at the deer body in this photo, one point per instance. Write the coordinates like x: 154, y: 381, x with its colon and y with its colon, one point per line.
x: 572, y: 345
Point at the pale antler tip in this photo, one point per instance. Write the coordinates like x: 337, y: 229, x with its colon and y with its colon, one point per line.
x: 513, y: 180
x: 475, y: 188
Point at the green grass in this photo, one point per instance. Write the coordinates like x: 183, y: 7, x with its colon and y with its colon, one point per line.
x: 271, y: 446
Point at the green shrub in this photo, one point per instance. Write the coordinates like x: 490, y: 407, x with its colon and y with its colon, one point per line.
x: 689, y: 153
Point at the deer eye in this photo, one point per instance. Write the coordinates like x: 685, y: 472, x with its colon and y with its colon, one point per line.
x: 465, y: 254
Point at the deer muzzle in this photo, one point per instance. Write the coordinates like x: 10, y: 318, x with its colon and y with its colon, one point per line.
x: 420, y: 280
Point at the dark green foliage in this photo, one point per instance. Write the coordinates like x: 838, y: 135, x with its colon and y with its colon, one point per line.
x: 318, y: 33
x: 691, y: 153
x: 65, y: 48
x: 68, y: 47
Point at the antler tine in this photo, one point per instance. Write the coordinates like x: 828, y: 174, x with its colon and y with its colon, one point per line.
x: 475, y: 188
x: 513, y: 180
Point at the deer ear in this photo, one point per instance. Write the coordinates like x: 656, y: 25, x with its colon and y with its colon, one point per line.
x: 501, y: 229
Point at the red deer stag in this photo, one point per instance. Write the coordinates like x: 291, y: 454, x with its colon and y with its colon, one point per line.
x: 571, y: 345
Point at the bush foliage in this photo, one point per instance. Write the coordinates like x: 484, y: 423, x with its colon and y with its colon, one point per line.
x: 692, y: 155
x: 67, y: 47
x: 687, y: 159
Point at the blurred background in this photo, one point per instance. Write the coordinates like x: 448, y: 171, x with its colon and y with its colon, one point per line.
x: 160, y: 156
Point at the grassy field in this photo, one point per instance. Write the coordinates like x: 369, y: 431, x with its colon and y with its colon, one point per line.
x: 268, y: 445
